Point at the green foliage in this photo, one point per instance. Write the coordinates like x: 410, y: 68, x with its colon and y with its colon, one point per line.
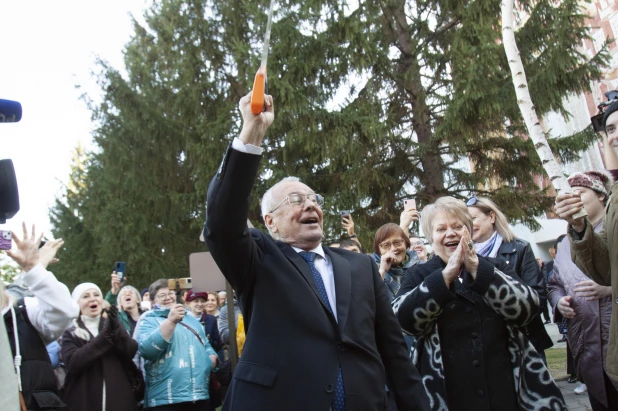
x: 8, y: 269
x: 374, y: 104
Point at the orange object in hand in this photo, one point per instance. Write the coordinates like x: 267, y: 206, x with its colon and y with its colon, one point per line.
x: 259, y: 88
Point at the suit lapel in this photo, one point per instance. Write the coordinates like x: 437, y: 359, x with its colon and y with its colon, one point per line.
x: 302, y: 266
x: 343, y: 286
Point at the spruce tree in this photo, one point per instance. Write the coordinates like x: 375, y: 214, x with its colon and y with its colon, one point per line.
x: 389, y: 100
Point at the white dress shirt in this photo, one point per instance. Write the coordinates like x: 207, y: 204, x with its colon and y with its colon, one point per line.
x: 322, y: 261
x: 325, y: 268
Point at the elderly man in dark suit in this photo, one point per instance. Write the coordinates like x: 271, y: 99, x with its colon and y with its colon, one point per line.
x: 321, y: 334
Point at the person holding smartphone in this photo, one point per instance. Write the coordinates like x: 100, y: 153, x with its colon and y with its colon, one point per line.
x: 177, y: 355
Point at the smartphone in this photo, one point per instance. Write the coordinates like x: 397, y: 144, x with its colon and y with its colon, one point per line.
x: 345, y: 213
x: 121, y: 270
x: 179, y: 284
x: 409, y: 204
x: 6, y: 240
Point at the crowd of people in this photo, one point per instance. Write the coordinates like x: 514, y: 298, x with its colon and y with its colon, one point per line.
x: 456, y: 326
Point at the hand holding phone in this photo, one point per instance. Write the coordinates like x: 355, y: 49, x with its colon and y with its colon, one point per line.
x: 121, y: 270
x: 6, y: 240
x: 409, y: 204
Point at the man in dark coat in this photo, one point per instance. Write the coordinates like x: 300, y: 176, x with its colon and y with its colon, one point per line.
x: 321, y: 333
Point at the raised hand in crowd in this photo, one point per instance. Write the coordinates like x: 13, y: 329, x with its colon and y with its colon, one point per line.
x: 592, y: 291
x: 177, y: 313
x: 386, y: 261
x: 469, y: 256
x: 28, y: 254
x: 406, y: 218
x: 115, y: 283
x: 568, y: 205
x: 348, y: 224
x: 254, y: 127
x: 564, y: 306
x: 453, y: 266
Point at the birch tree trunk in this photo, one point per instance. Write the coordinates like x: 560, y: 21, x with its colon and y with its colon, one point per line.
x: 551, y: 166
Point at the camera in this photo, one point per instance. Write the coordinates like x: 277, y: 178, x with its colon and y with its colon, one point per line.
x: 597, y: 120
x: 177, y: 284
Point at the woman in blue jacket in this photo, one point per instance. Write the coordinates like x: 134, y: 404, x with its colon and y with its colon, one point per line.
x: 177, y: 356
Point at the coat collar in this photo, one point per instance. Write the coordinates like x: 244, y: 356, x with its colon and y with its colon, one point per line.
x: 343, y: 280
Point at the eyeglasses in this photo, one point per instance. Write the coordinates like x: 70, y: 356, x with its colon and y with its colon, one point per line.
x: 387, y: 246
x: 472, y: 201
x: 297, y: 200
x: 419, y: 242
x: 166, y: 296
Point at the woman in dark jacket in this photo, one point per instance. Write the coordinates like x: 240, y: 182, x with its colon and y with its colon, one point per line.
x: 494, y: 238
x: 97, y: 352
x: 466, y: 314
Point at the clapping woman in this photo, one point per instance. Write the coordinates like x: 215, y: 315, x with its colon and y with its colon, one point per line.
x: 98, y: 354
x: 466, y: 312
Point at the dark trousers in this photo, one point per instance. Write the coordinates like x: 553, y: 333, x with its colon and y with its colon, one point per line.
x: 612, y: 397
x: 185, y: 406
x: 570, y: 361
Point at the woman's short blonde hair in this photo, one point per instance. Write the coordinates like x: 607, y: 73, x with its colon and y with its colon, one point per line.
x: 501, y: 225
x: 449, y: 205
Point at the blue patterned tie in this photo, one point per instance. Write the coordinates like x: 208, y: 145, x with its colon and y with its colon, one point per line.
x: 309, y: 257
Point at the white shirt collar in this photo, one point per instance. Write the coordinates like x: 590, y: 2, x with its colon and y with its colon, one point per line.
x: 318, y: 250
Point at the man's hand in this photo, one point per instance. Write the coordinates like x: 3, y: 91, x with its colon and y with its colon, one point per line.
x: 28, y: 254
x: 254, y: 127
x: 348, y: 224
x: 177, y: 313
x: 115, y: 283
x: 564, y: 306
x: 406, y: 218
x: 592, y: 291
x: 567, y: 205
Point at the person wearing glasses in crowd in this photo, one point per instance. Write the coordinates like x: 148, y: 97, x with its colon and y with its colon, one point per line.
x: 494, y: 238
x: 320, y: 330
x: 177, y: 355
x: 418, y: 246
x: 392, y: 255
x: 467, y: 314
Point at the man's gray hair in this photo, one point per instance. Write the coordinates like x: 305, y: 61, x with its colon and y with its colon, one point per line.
x: 269, y: 201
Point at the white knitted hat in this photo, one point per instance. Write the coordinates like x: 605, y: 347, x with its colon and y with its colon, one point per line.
x: 80, y: 289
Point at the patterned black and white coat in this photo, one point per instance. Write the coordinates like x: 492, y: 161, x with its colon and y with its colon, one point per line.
x: 470, y: 351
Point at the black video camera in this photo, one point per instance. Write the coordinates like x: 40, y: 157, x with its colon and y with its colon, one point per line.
x: 597, y: 121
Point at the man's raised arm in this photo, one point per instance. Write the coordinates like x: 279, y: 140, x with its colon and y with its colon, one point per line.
x: 229, y: 195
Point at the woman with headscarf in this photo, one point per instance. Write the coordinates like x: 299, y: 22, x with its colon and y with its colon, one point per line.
x: 494, y: 238
x: 98, y: 355
x: 466, y: 313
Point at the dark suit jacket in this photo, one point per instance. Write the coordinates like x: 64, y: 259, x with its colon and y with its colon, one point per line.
x: 294, y: 346
x: 519, y: 256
